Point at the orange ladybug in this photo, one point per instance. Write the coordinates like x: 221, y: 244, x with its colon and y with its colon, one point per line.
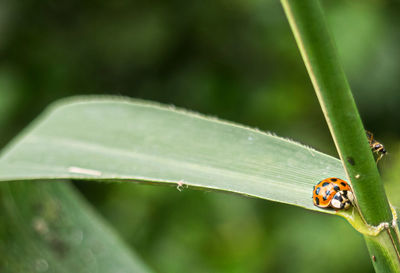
x: 334, y: 193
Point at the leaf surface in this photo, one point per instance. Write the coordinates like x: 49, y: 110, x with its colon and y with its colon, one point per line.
x: 118, y: 139
x: 48, y: 227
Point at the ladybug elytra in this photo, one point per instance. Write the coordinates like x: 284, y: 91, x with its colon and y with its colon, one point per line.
x: 334, y: 193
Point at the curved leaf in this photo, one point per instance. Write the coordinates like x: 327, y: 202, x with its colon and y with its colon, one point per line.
x: 129, y: 140
x: 47, y: 227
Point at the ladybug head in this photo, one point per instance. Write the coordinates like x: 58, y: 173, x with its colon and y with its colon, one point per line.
x: 342, y: 200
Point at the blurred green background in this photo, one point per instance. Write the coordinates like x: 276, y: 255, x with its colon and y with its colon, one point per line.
x: 236, y: 60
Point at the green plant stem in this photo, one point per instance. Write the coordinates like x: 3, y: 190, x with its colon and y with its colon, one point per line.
x: 321, y: 59
x: 383, y: 259
x: 326, y: 73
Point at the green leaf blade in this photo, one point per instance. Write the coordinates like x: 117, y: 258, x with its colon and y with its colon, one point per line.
x: 123, y: 139
x: 48, y: 227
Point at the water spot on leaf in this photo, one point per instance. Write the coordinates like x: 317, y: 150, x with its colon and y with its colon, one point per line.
x: 41, y: 265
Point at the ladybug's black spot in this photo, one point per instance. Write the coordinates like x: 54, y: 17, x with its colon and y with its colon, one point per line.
x: 317, y: 200
x: 351, y: 161
x: 333, y: 179
x: 343, y: 184
x: 325, y: 197
x: 317, y: 190
x: 325, y: 184
x: 338, y: 197
x: 336, y: 188
x: 328, y: 192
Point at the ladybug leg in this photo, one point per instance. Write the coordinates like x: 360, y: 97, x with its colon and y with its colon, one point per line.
x: 350, y: 197
x: 347, y: 205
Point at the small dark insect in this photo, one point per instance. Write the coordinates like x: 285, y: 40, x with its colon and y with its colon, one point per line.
x: 374, y: 258
x: 376, y: 146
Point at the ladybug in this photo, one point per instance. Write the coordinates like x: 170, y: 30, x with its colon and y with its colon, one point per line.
x: 334, y: 193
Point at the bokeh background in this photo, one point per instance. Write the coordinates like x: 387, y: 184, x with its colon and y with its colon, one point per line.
x: 236, y: 60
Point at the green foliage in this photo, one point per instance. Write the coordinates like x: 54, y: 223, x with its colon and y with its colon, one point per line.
x: 331, y: 86
x: 129, y: 140
x: 235, y: 60
x: 109, y: 139
x: 319, y: 54
x: 47, y: 227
